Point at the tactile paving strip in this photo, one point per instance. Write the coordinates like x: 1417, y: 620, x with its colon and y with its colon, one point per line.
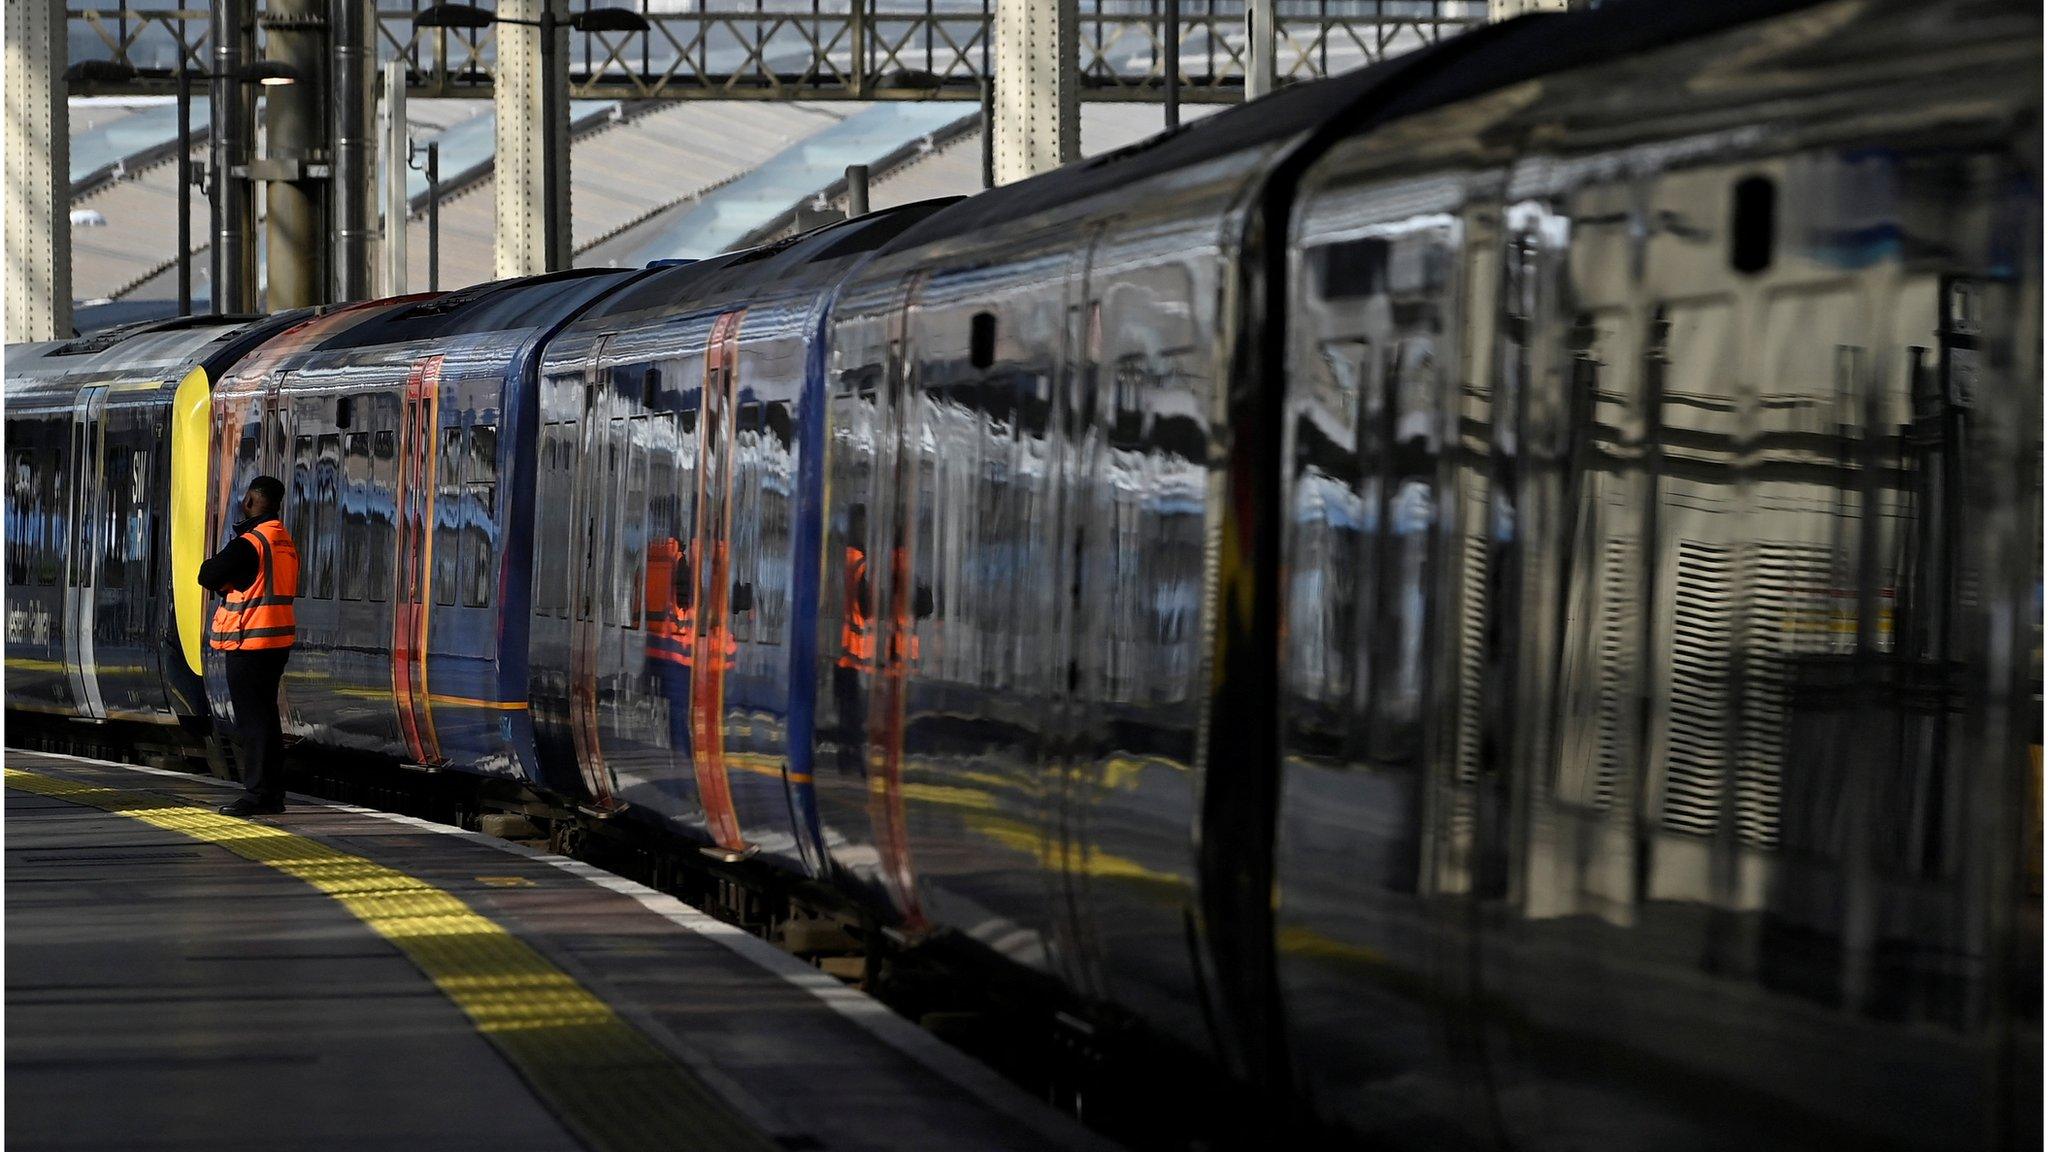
x: 607, y: 1081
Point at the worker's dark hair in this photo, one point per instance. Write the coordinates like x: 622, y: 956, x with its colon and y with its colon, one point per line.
x: 272, y: 489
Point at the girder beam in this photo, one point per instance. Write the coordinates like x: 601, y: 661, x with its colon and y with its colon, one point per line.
x: 880, y: 50
x: 38, y: 174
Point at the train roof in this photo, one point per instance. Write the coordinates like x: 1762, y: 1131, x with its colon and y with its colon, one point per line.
x: 1482, y: 60
x: 818, y: 255
x: 159, y: 351
x: 496, y: 306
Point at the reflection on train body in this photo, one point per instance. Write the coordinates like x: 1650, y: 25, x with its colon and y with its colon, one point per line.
x: 1636, y: 586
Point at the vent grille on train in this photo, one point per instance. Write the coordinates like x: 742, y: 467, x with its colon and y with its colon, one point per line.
x: 1618, y: 638
x: 1702, y: 642
x: 1471, y: 649
x: 1741, y: 613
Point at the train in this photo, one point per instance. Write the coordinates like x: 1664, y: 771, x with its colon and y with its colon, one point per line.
x: 1496, y: 598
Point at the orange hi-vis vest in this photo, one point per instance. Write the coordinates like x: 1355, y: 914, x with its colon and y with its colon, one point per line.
x: 667, y: 636
x: 856, y: 637
x: 260, y: 616
x: 672, y: 625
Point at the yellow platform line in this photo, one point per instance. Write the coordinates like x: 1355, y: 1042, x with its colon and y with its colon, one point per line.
x: 608, y: 1082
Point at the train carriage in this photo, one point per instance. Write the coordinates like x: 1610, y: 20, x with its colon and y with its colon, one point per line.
x: 106, y: 448
x: 1658, y: 474
x: 403, y: 430
x: 675, y: 623
x: 1026, y: 428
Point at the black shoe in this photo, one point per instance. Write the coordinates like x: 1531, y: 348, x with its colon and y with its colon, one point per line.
x: 250, y: 806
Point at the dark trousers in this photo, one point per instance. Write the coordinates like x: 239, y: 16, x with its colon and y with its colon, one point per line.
x: 259, y: 734
x: 853, y: 720
x: 675, y: 687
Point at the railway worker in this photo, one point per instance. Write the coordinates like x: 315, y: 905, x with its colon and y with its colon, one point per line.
x: 257, y: 575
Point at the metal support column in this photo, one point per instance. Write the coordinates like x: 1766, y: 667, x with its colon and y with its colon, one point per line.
x: 1171, y: 65
x: 295, y: 163
x: 1037, y: 87
x: 352, y: 109
x: 397, y: 160
x: 1261, y: 48
x: 232, y: 137
x: 184, y: 189
x: 533, y: 137
x: 38, y: 173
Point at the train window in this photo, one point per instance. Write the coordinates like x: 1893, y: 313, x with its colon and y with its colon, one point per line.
x: 142, y: 527
x: 23, y: 517
x: 633, y: 539
x: 447, y: 507
x: 382, y: 501
x: 995, y: 502
x: 774, y: 549
x: 1351, y: 269
x: 298, y: 511
x: 607, y: 499
x: 551, y: 541
x: 909, y: 610
x: 662, y: 540
x: 81, y: 523
x: 685, y: 530
x: 50, y: 547
x: 278, y: 419
x: 744, y: 499
x: 326, y: 507
x: 561, y: 528
x: 661, y: 477
x: 355, y: 524
x: 116, y: 497
x: 1407, y: 573
x: 480, y: 487
x: 544, y: 497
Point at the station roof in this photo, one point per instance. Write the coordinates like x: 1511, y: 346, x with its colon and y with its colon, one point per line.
x: 646, y: 183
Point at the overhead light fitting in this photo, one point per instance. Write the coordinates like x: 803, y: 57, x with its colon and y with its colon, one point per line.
x: 269, y: 73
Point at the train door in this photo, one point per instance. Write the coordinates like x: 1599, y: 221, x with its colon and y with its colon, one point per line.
x: 602, y: 440
x: 1085, y: 655
x: 866, y: 345
x: 1128, y: 792
x: 127, y: 593
x: 669, y: 592
x: 893, y: 644
x: 250, y: 439
x: 81, y: 582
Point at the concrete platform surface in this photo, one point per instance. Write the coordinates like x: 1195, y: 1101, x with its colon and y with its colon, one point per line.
x: 340, y: 978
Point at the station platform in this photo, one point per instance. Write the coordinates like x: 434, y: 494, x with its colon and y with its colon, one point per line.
x: 337, y: 978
